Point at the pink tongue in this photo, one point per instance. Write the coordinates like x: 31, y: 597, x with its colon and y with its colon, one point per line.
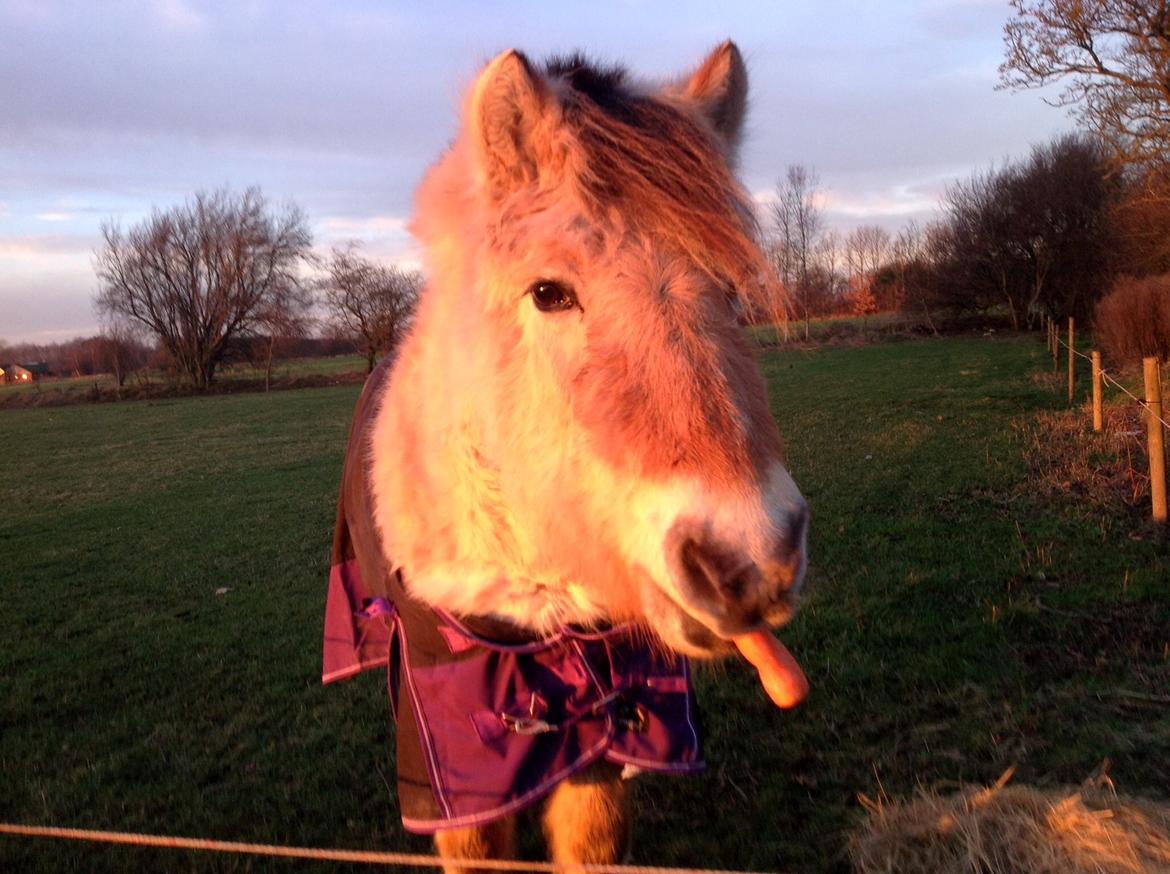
x: 781, y: 676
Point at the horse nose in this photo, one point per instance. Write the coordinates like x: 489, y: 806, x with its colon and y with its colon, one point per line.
x: 736, y: 587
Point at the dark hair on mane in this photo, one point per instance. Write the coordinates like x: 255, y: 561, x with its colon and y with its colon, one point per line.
x: 604, y: 85
x: 665, y: 171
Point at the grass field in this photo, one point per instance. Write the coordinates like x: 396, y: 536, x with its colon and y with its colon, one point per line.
x: 55, y: 391
x: 955, y: 625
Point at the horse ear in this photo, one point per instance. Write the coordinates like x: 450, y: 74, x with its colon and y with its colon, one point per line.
x: 510, y: 108
x: 719, y: 88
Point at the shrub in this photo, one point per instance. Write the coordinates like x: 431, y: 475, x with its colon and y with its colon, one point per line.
x: 1132, y: 321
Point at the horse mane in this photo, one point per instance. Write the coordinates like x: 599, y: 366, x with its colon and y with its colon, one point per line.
x: 666, y: 172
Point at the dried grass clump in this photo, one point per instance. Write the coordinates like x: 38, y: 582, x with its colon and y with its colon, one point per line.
x: 1013, y: 830
x: 1104, y: 472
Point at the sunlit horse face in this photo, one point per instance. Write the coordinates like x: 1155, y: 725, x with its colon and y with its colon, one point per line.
x: 576, y: 430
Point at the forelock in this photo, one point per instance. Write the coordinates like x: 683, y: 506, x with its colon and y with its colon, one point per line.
x: 604, y: 85
x: 662, y: 171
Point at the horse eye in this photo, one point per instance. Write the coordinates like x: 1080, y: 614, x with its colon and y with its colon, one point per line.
x: 551, y: 297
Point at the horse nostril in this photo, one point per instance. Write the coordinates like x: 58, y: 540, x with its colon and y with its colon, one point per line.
x: 737, y: 585
x: 723, y: 577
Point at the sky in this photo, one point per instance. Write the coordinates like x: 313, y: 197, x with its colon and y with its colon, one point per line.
x: 109, y: 109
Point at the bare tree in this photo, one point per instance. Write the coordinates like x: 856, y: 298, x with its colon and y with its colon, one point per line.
x: 198, y: 275
x: 283, y: 317
x: 120, y: 351
x: 914, y: 276
x: 866, y: 249
x: 829, y: 259
x: 798, y: 224
x: 1114, y: 59
x: 371, y: 301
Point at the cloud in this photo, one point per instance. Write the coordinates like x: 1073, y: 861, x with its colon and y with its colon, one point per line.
x: 33, y: 246
x: 36, y: 12
x: 178, y: 15
x: 339, y: 226
x: 381, y: 237
x: 961, y: 19
x: 47, y: 286
x: 896, y: 202
x: 55, y: 216
x: 83, y: 328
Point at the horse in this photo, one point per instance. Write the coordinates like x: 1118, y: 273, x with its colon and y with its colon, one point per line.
x: 566, y: 482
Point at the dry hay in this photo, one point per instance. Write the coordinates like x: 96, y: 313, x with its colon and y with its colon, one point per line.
x: 1104, y: 475
x: 1013, y: 830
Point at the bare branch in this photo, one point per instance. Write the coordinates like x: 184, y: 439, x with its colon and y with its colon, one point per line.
x: 370, y: 301
x: 201, y: 274
x: 1113, y: 57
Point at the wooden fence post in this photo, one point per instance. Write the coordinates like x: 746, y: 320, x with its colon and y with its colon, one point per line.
x: 1072, y: 356
x: 1096, y: 356
x: 1154, y: 438
x: 1055, y: 349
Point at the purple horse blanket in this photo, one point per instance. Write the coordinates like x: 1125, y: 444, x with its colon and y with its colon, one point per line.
x: 490, y: 719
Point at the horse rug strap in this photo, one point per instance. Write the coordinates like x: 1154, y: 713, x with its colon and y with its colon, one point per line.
x: 494, y: 726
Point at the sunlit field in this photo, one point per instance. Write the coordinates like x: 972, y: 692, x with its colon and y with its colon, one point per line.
x: 163, y: 582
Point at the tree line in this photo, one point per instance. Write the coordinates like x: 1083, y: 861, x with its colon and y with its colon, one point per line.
x: 228, y: 275
x: 1034, y: 236
x: 1079, y: 227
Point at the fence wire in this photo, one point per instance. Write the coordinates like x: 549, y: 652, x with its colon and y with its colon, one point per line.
x: 1108, y: 377
x: 321, y: 854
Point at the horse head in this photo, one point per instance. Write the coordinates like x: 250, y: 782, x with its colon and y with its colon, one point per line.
x: 576, y: 430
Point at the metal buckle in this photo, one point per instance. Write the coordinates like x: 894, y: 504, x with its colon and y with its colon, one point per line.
x: 526, y: 724
x: 631, y: 715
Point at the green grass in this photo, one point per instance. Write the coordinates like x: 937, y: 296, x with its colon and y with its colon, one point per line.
x: 331, y: 366
x: 954, y: 625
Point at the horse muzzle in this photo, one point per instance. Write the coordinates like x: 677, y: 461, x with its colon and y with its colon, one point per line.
x: 731, y: 588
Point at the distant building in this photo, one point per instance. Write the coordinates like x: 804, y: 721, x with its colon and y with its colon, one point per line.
x: 15, y: 373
